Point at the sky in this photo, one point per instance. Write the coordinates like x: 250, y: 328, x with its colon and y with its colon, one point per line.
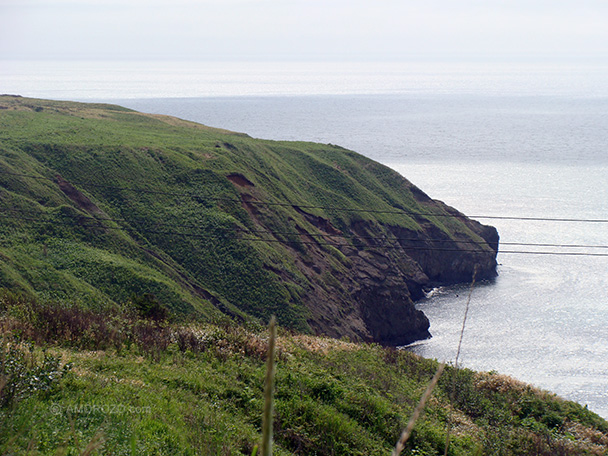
x: 302, y: 29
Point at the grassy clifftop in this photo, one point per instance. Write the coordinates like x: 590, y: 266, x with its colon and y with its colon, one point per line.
x: 100, y: 203
x: 110, y: 220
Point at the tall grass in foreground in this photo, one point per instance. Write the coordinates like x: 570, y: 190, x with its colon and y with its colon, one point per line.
x: 205, y: 394
x: 267, y: 421
x: 269, y: 391
x: 405, y: 435
x: 464, y: 322
x: 407, y: 432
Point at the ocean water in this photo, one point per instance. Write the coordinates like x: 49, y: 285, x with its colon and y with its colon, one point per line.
x: 525, y: 141
x: 544, y: 320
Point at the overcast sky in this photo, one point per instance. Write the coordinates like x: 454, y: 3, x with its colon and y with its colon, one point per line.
x: 303, y: 29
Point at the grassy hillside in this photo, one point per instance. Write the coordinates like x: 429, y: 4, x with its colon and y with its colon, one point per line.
x: 136, y: 386
x: 99, y: 203
x: 141, y: 255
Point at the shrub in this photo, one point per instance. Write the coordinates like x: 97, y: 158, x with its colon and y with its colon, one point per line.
x: 149, y: 307
x: 22, y: 374
x: 79, y: 327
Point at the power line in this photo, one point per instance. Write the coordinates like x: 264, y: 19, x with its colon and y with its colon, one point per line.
x: 323, y: 235
x: 455, y: 241
x: 20, y: 216
x: 309, y: 206
x: 386, y: 243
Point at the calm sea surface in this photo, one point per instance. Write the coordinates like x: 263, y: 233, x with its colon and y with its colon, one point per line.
x: 491, y: 140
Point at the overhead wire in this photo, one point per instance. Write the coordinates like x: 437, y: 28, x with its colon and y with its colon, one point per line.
x: 385, y: 241
x: 310, y: 206
x: 330, y: 235
x: 323, y: 235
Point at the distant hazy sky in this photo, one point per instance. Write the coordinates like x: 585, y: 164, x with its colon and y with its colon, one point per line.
x: 302, y: 29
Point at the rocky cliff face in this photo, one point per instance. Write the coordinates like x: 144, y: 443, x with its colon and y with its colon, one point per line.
x: 384, y: 269
x: 101, y: 203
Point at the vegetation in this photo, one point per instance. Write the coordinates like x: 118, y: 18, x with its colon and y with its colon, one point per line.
x: 99, y: 203
x: 140, y: 258
x: 151, y: 387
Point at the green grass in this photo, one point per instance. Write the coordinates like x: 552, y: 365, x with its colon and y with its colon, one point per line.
x: 177, y: 223
x: 121, y: 297
x: 201, y: 391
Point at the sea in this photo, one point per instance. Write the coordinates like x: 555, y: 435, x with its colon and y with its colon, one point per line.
x: 522, y: 146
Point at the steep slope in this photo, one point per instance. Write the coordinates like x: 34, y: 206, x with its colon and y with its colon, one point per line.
x: 198, y: 389
x: 99, y: 202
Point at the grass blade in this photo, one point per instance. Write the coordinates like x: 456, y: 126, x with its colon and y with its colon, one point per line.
x: 464, y: 322
x: 269, y: 391
x: 405, y: 435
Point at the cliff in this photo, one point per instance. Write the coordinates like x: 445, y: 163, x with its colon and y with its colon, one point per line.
x: 100, y: 203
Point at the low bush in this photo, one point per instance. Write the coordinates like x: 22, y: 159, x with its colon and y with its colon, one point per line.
x: 149, y: 307
x: 22, y: 374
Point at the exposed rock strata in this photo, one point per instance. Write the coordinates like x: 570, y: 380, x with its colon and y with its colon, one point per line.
x: 370, y: 295
x: 152, y: 201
